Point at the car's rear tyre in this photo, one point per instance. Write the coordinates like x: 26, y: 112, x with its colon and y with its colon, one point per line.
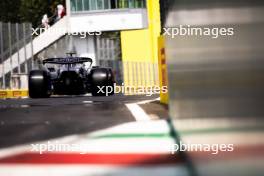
x: 39, y: 84
x: 102, y: 82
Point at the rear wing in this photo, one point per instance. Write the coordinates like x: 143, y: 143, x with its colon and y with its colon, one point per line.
x: 67, y: 60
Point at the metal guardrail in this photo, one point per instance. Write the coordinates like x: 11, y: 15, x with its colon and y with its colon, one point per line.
x: 13, y: 38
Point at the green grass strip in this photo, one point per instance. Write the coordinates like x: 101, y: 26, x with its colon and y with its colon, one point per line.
x: 183, y: 132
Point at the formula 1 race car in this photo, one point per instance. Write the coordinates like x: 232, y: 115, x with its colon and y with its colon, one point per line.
x: 70, y: 76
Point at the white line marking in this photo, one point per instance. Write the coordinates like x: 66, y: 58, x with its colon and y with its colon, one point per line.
x: 138, y: 112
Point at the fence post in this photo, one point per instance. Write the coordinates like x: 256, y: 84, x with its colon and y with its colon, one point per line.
x: 25, y: 50
x: 10, y: 47
x: 32, y: 51
x: 128, y: 73
x: 136, y: 74
x: 150, y: 74
x: 10, y: 55
x: 2, y: 55
x: 139, y: 73
x: 145, y: 73
x: 17, y: 45
x: 121, y: 70
x: 156, y: 75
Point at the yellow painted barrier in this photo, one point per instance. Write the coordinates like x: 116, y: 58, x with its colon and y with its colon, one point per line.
x: 140, y: 49
x: 163, y: 74
x: 13, y: 94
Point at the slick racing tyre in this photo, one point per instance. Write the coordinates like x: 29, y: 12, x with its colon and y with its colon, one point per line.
x: 102, y: 80
x: 39, y: 84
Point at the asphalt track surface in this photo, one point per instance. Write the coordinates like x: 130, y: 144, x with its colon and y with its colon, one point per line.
x: 28, y: 120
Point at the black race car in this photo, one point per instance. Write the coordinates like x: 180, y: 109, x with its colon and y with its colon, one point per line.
x: 70, y: 76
